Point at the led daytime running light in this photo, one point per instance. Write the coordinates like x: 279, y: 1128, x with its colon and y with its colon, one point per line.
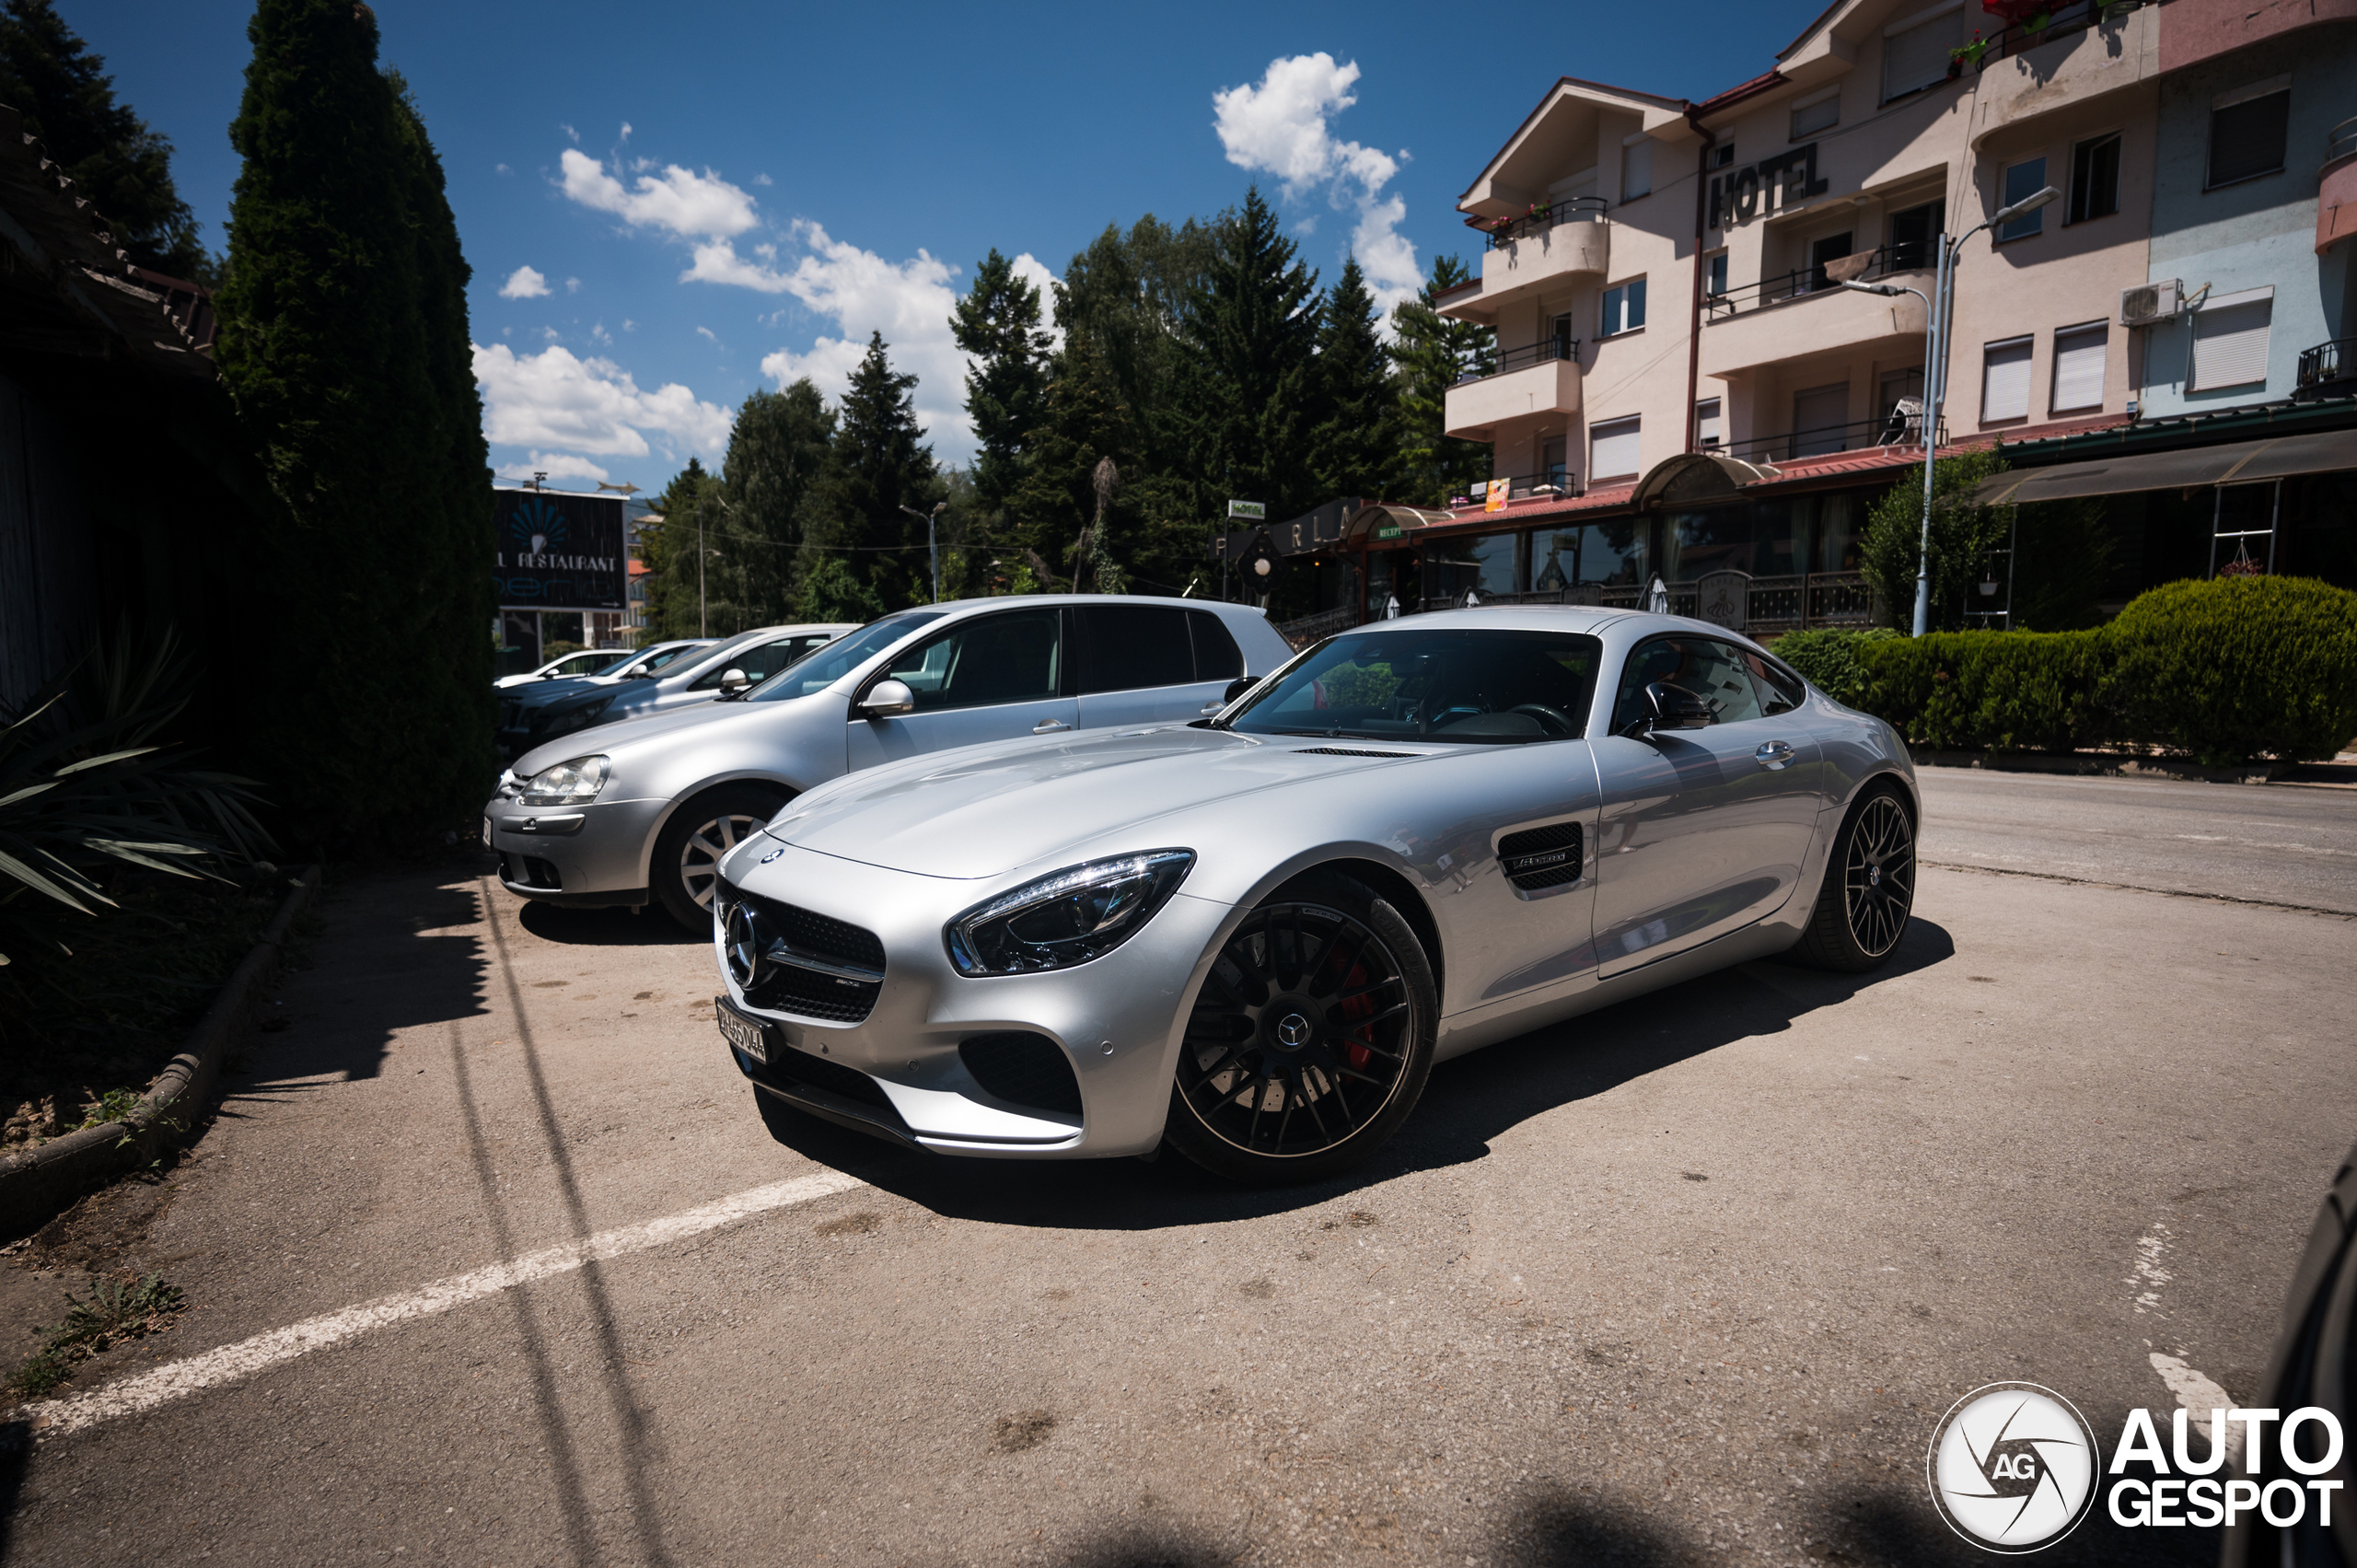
x: 1076, y: 915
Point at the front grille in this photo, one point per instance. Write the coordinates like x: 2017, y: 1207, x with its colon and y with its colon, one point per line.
x: 1541, y: 857
x: 794, y: 1067
x: 1023, y: 1068
x: 1346, y: 751
x: 530, y: 871
x: 788, y: 987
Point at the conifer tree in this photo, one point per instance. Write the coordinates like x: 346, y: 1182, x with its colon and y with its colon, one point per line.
x: 880, y: 465
x: 998, y: 323
x: 1086, y: 423
x: 1431, y: 354
x: 669, y: 551
x: 1248, y: 339
x: 779, y: 447
x: 1354, y: 449
x: 118, y: 162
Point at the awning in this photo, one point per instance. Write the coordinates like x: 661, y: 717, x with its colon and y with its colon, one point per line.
x: 1379, y: 524
x: 2237, y: 462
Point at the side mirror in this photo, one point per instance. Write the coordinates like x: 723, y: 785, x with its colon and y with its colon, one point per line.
x: 888, y: 699
x: 1237, y: 687
x: 733, y: 682
x: 1673, y: 707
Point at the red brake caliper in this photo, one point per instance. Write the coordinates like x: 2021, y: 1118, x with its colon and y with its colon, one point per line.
x: 1355, y: 1008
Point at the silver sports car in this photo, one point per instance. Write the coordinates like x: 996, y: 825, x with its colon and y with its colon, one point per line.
x: 1254, y: 935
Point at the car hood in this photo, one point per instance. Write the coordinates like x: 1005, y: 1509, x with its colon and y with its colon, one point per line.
x: 620, y: 735
x: 988, y: 809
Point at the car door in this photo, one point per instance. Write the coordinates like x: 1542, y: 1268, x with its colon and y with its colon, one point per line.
x: 1148, y: 664
x: 1701, y: 832
x: 991, y: 678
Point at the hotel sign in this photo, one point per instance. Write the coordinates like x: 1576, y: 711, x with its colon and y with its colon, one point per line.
x: 1773, y: 184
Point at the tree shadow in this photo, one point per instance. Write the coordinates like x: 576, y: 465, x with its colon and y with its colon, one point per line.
x: 649, y: 927
x: 1468, y: 1102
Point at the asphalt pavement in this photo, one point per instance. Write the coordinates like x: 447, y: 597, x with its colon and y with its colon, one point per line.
x: 1689, y: 1280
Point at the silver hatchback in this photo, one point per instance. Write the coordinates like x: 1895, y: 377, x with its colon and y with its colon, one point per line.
x: 643, y: 810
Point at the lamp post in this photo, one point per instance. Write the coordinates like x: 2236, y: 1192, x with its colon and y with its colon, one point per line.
x: 700, y: 554
x: 1940, y: 306
x: 929, y: 519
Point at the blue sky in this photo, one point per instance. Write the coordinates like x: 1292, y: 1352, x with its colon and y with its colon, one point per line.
x: 793, y: 175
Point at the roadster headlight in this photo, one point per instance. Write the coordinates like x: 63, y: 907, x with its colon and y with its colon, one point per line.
x: 568, y: 783
x: 1081, y: 912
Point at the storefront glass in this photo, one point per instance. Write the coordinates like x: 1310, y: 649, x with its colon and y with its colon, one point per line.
x: 1489, y: 563
x: 1611, y: 554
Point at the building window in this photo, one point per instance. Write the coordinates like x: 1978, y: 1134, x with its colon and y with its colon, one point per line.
x: 1560, y: 344
x: 2230, y: 340
x: 1553, y: 467
x: 2004, y: 380
x: 1912, y: 232
x: 2247, y: 131
x: 1818, y: 111
x: 1821, y: 251
x: 2079, y: 354
x: 1820, y: 419
x: 2023, y: 180
x: 1915, y: 53
x: 1901, y: 405
x: 1612, y: 450
x: 1637, y: 169
x: 1624, y: 308
x: 2095, y: 179
x: 1706, y: 422
x: 1723, y: 155
x: 1714, y: 273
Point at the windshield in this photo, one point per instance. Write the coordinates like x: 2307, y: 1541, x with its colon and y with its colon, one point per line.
x: 817, y: 670
x: 657, y: 660
x: 1476, y: 687
x: 614, y: 667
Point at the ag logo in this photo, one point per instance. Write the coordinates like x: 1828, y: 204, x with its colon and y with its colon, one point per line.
x: 2012, y: 1467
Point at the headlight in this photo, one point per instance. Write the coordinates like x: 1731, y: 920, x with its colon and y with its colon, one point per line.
x: 568, y: 783
x: 1082, y: 913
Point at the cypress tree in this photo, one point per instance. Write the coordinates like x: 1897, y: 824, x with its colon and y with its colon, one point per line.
x: 880, y: 464
x: 1432, y: 353
x: 118, y: 162
x: 998, y: 323
x: 1354, y: 447
x: 1248, y: 338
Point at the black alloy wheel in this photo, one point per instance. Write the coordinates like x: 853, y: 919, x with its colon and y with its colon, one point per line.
x: 1869, y: 890
x: 1310, y: 1041
x: 689, y: 850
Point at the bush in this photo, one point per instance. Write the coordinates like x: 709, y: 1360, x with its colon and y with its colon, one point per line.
x: 1987, y: 691
x: 1829, y: 658
x: 1963, y: 534
x: 2237, y: 667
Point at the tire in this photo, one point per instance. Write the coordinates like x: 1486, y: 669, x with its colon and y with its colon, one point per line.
x: 1325, y: 960
x: 1868, y: 894
x: 687, y: 850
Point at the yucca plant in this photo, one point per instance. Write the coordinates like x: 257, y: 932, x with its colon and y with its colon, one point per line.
x: 88, y: 782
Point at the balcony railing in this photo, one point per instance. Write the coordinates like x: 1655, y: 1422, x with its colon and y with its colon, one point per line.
x: 1556, y: 481
x: 1895, y: 429
x: 1908, y: 256
x: 1513, y: 359
x: 1771, y: 604
x: 2061, y: 20
x: 2327, y: 370
x: 2340, y: 141
x: 1541, y: 217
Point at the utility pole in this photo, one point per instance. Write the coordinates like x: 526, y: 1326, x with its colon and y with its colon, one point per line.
x: 700, y: 501
x: 932, y: 547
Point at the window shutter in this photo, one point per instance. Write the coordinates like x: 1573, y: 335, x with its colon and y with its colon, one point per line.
x: 2005, y: 381
x: 2230, y: 345
x: 2078, y: 367
x: 1612, y: 448
x: 1636, y: 169
x: 1918, y: 57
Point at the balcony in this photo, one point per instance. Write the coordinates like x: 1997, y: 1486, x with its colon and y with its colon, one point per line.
x: 2327, y: 370
x: 1549, y: 484
x: 1901, y: 431
x: 2337, y: 186
x: 1539, y: 378
x: 2077, y: 16
x: 1548, y: 247
x: 1805, y: 312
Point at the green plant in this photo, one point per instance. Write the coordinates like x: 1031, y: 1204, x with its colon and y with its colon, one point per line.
x: 2236, y: 667
x: 1829, y: 656
x: 127, y: 1307
x: 114, y: 1105
x: 1987, y: 691
x: 1963, y: 533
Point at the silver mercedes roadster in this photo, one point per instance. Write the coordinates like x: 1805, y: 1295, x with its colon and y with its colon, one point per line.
x: 1254, y: 935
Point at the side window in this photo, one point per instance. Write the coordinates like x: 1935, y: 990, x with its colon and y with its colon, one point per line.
x: 1217, y: 656
x: 1014, y: 658
x: 1711, y: 670
x: 758, y: 662
x: 1780, y: 689
x: 1127, y: 647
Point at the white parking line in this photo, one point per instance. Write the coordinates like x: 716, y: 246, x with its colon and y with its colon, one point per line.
x: 55, y: 1418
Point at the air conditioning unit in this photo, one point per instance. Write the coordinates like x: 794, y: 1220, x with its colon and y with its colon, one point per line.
x: 2151, y: 303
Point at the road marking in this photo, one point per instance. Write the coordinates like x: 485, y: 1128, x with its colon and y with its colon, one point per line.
x: 55, y: 1418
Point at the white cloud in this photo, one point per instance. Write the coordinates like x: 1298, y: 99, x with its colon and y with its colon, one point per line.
x: 572, y: 285
x: 556, y: 465
x: 524, y: 283
x: 763, y: 179
x: 551, y: 334
x: 553, y: 399
x: 708, y: 333
x: 1280, y: 127
x: 570, y: 134
x: 629, y: 325
x: 625, y: 130
x: 502, y: 168
x: 682, y: 200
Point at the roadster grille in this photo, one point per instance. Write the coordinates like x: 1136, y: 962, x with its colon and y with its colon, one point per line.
x: 1541, y: 857
x: 1347, y: 751
x: 805, y: 960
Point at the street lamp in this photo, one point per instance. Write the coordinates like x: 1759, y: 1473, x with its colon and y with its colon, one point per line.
x: 929, y: 519
x: 1935, y: 371
x: 700, y: 554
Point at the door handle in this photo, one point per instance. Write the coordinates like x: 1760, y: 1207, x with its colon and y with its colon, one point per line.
x: 1049, y: 726
x: 1773, y: 755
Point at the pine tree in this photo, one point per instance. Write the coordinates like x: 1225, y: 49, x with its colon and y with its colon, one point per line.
x: 779, y: 447
x: 1354, y: 447
x: 1432, y: 353
x: 1086, y: 423
x: 1247, y: 337
x: 118, y: 164
x: 669, y: 551
x: 998, y: 323
x: 880, y: 465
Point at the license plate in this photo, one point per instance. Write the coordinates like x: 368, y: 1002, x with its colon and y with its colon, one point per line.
x: 486, y: 829
x: 748, y: 1035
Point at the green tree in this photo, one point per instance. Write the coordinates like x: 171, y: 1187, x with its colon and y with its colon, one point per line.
x: 1355, y: 445
x: 118, y: 162
x: 669, y: 549
x: 1087, y: 422
x: 881, y: 464
x: 833, y: 591
x: 1432, y: 354
x: 998, y: 323
x: 1963, y: 534
x: 779, y: 447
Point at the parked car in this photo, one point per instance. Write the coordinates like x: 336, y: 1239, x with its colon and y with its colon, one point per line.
x: 648, y: 814
x: 1254, y: 936
x: 712, y: 669
x: 585, y: 661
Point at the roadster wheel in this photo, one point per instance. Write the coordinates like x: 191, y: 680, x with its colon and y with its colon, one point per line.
x: 1869, y: 890
x: 1310, y: 1041
x: 689, y: 850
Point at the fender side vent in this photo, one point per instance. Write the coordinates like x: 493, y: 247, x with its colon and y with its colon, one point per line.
x: 1347, y: 751
x: 1023, y: 1068
x: 1541, y: 857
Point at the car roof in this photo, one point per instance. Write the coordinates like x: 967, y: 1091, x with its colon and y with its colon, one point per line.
x: 1622, y: 625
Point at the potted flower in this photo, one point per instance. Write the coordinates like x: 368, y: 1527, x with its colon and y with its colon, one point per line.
x: 1966, y: 54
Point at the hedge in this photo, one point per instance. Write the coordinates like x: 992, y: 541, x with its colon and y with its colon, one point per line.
x: 2223, y: 671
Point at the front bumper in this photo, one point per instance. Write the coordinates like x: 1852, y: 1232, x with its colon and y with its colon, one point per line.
x: 1118, y: 1020
x: 589, y: 855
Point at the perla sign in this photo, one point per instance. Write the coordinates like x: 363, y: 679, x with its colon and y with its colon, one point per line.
x: 1773, y: 184
x: 557, y: 550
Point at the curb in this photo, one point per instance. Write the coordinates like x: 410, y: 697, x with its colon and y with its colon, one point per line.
x: 2090, y: 764
x: 37, y: 1185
